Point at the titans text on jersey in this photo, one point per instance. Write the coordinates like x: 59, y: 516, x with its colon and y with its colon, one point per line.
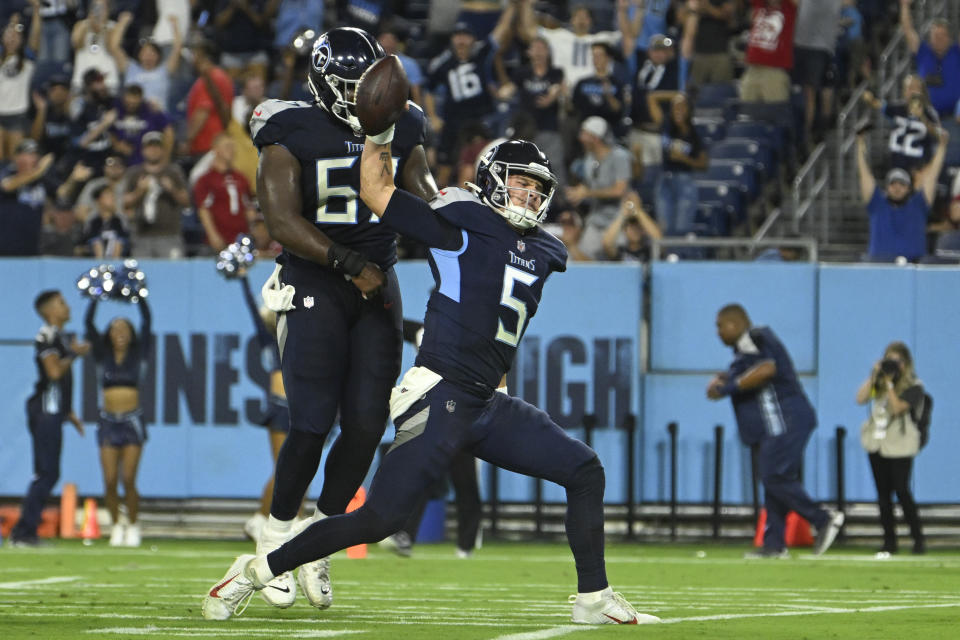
x: 329, y: 155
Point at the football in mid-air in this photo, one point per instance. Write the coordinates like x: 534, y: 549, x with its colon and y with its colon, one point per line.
x: 382, y: 95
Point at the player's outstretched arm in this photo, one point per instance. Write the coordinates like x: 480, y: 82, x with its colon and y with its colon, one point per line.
x: 401, y: 210
x: 376, y: 176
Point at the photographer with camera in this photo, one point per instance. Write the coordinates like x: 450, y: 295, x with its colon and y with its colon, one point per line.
x: 892, y: 437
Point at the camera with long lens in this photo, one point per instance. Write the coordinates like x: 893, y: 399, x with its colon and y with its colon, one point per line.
x: 891, y: 369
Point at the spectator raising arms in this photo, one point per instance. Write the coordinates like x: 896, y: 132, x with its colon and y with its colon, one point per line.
x: 769, y: 51
x: 16, y: 72
x: 464, y: 73
x: 937, y: 60
x: 916, y: 122
x: 202, y: 121
x: 90, y: 39
x: 570, y: 47
x: 149, y: 71
x: 223, y: 197
x: 898, y: 213
x: 711, y: 55
x: 51, y: 119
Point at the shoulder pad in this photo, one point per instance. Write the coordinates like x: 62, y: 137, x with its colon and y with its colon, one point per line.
x: 46, y: 334
x: 266, y: 110
x: 451, y: 195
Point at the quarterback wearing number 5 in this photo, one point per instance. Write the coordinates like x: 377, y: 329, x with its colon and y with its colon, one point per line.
x: 340, y: 322
x: 490, y: 260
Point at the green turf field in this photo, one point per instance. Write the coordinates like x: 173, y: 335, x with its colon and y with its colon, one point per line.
x: 516, y: 591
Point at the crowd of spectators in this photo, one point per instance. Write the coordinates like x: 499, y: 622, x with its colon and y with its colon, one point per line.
x: 123, y: 128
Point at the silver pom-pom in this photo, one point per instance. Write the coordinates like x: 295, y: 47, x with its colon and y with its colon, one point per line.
x: 237, y: 257
x: 106, y: 282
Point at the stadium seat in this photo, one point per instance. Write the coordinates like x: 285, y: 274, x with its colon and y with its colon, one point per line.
x: 727, y: 194
x: 711, y: 219
x: 742, y: 172
x: 715, y: 96
x: 745, y: 149
x: 757, y: 130
x: 710, y: 130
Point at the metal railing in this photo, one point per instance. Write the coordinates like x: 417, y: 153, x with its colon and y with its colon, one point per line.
x: 749, y: 245
x: 810, y: 189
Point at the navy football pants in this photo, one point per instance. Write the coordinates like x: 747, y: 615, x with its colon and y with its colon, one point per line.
x: 780, y: 459
x: 502, y: 430
x: 46, y: 431
x: 340, y: 354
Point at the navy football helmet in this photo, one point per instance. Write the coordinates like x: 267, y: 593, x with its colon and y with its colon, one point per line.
x: 339, y: 58
x: 511, y: 158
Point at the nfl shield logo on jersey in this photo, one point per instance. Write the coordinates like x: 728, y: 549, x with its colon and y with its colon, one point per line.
x: 451, y: 406
x: 308, y: 302
x: 521, y: 246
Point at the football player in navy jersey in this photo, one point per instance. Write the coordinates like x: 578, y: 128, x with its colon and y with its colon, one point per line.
x: 490, y: 261
x: 339, y: 327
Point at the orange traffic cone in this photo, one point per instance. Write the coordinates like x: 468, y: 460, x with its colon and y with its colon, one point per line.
x: 68, y: 511
x: 91, y: 528
x: 360, y: 550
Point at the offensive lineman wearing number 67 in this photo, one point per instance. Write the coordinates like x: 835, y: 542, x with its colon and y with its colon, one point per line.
x: 340, y: 322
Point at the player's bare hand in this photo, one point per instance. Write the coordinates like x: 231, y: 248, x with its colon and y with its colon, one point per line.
x: 713, y: 387
x: 80, y: 347
x: 370, y: 281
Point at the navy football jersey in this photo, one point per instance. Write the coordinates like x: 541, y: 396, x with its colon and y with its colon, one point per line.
x: 329, y: 155
x: 486, y: 292
x: 55, y: 395
x: 465, y: 83
x: 778, y: 406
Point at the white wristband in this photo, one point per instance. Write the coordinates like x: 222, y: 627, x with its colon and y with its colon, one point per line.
x: 386, y: 137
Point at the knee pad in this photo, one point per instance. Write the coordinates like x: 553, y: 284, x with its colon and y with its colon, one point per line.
x: 587, y: 477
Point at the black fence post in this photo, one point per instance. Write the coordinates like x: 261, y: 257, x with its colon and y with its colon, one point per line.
x: 672, y: 430
x: 494, y: 500
x: 589, y: 424
x: 717, y: 477
x: 841, y: 468
x: 630, y: 425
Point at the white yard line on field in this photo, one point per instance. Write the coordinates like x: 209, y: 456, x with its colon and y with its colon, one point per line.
x: 193, y: 632
x: 780, y: 614
x: 552, y: 632
x: 20, y: 584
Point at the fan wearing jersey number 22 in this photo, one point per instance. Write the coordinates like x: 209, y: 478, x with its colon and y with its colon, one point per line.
x: 489, y: 259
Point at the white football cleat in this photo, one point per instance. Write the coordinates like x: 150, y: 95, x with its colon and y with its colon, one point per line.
x: 254, y: 526
x: 314, y: 580
x: 828, y: 533
x: 131, y: 537
x: 281, y: 591
x: 117, y: 535
x: 612, y: 608
x: 231, y: 595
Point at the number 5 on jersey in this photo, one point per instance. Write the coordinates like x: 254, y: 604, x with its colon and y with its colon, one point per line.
x: 326, y: 191
x: 512, y: 275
